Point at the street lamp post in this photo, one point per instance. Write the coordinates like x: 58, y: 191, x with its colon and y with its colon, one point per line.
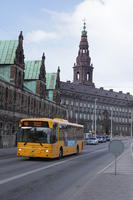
x: 111, y: 123
x: 131, y: 123
x: 95, y: 118
x: 92, y: 125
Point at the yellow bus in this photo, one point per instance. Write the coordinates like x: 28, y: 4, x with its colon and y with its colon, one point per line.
x: 48, y: 138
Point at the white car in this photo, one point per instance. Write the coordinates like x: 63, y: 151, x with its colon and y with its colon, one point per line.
x: 92, y: 140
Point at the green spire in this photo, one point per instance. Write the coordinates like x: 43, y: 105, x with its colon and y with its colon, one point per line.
x: 84, y: 26
x: 84, y: 32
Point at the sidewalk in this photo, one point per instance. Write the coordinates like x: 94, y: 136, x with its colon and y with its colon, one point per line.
x: 8, y: 151
x: 107, y: 186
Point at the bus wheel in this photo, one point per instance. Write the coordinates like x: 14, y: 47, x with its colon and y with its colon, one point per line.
x: 77, y: 151
x: 60, y: 153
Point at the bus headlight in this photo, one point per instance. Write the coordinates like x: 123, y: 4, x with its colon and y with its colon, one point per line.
x: 46, y: 150
x: 20, y: 149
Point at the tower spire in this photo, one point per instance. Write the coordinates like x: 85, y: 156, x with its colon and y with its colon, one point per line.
x: 83, y: 70
x: 84, y: 32
x: 42, y: 75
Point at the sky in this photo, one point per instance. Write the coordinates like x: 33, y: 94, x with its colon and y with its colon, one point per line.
x: 54, y: 27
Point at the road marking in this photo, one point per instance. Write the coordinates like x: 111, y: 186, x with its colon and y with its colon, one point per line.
x: 101, y: 171
x: 6, y: 180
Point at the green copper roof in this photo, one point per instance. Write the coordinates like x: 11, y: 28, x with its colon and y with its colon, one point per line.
x: 32, y: 69
x: 31, y: 85
x: 7, y: 51
x: 5, y: 72
x: 51, y: 81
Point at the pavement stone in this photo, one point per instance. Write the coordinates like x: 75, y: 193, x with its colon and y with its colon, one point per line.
x: 106, y: 186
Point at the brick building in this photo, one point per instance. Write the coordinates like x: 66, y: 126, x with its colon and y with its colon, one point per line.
x: 21, y: 97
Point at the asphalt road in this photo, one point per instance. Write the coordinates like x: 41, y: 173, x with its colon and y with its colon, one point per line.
x: 41, y: 179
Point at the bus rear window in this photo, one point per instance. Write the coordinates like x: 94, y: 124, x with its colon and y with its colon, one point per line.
x: 35, y: 124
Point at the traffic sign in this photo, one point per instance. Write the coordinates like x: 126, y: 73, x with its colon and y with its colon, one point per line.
x: 116, y: 147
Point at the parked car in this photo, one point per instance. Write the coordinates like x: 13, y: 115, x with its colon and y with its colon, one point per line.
x: 104, y: 138
x: 92, y: 140
x: 107, y: 138
x: 100, y: 139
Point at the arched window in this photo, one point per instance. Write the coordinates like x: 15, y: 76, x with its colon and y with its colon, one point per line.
x: 88, y: 76
x: 77, y: 75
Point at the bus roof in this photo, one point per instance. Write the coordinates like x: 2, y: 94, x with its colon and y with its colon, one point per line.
x: 36, y: 119
x: 55, y: 120
x: 62, y: 121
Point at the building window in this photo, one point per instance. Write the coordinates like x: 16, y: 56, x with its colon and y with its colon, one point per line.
x: 76, y: 116
x: 71, y: 114
x: 66, y: 102
x: 77, y: 75
x: 71, y: 102
x: 92, y: 117
x: 88, y: 76
x: 62, y: 101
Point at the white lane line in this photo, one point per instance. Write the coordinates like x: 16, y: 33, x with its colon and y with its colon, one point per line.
x: 45, y: 167
x: 29, y: 172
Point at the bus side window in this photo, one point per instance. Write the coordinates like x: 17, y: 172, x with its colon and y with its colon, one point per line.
x: 54, y: 134
x: 60, y: 133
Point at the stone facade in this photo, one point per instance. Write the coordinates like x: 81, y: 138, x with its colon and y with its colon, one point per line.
x: 93, y: 107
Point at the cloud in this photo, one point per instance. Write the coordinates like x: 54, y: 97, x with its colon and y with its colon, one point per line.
x: 39, y: 36
x: 110, y: 36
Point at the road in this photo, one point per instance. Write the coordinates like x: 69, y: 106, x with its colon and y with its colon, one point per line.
x: 41, y: 179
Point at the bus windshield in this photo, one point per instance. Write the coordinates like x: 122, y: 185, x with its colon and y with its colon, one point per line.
x: 34, y: 134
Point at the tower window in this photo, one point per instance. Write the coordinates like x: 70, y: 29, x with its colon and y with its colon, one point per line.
x: 77, y: 75
x: 19, y: 79
x: 88, y: 76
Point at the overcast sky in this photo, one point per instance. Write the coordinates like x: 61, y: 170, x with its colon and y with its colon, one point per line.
x: 54, y: 27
